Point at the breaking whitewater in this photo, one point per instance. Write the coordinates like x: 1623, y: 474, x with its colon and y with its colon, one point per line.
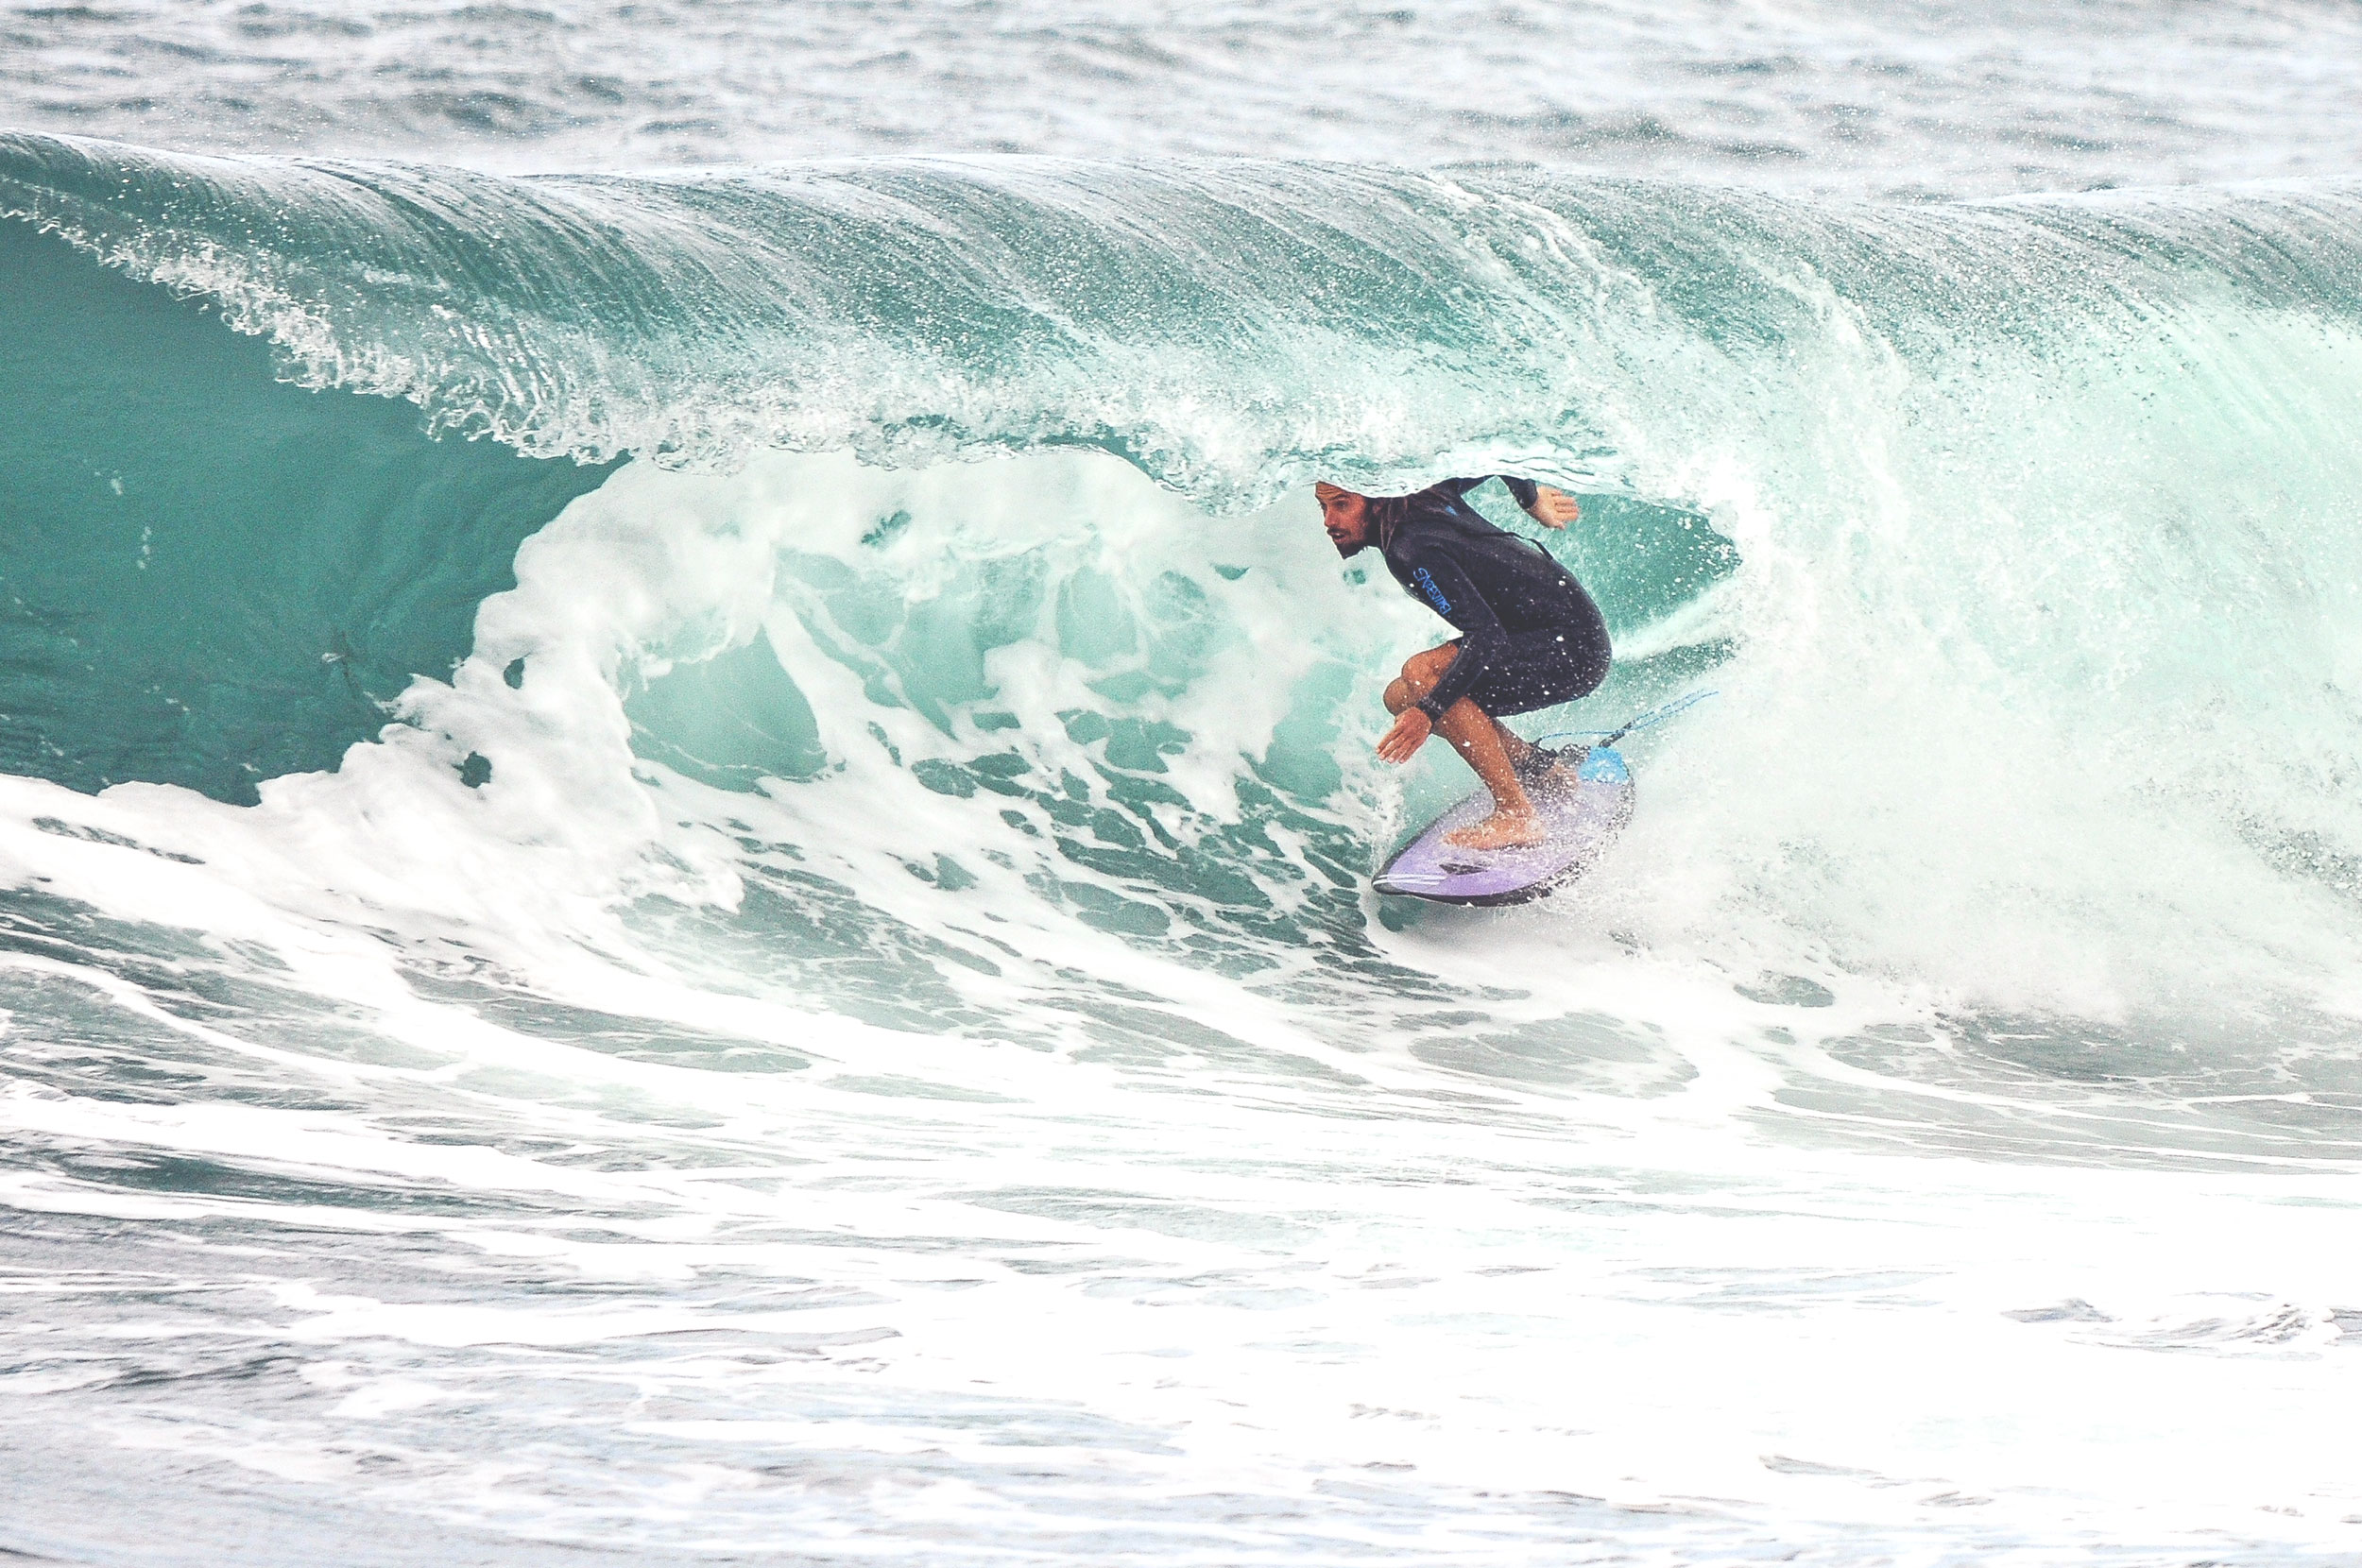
x: 687, y: 871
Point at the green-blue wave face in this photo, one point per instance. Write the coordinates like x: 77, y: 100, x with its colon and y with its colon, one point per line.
x: 210, y: 577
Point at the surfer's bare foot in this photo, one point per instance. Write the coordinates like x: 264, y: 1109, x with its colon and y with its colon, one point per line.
x: 1501, y: 830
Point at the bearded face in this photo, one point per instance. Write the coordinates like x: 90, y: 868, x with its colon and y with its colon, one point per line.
x: 1345, y: 518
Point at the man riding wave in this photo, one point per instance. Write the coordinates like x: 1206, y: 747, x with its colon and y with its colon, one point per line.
x: 1529, y: 637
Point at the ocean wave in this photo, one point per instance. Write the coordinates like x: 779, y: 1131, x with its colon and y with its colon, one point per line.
x: 813, y: 976
x: 2026, y: 526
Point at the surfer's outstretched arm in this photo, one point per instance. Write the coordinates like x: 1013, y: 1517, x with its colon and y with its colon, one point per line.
x: 1544, y: 504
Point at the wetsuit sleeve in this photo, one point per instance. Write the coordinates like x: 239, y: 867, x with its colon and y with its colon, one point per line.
x: 1524, y: 490
x: 1483, y: 643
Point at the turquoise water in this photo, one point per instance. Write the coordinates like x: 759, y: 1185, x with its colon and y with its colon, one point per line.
x: 688, y: 864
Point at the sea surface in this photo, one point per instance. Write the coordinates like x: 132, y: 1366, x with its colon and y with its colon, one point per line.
x: 686, y: 796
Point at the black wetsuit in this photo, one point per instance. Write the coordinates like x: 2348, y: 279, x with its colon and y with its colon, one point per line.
x: 1528, y: 636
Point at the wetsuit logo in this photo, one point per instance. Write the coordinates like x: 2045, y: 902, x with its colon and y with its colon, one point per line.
x: 1434, y: 594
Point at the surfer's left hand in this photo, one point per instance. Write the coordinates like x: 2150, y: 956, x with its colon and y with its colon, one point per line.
x: 1409, y: 733
x: 1552, y: 508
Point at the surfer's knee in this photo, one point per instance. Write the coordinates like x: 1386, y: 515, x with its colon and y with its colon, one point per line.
x: 1420, y: 671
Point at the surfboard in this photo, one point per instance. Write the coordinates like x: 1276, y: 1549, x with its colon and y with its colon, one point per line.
x: 1582, y: 821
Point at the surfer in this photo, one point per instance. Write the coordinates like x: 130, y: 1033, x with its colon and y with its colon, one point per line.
x: 1529, y: 637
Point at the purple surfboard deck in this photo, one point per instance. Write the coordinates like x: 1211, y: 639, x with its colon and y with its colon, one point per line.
x: 1582, y: 823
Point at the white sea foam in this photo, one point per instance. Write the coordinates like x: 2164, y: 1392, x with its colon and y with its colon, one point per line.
x: 850, y: 1024
x: 1155, y: 1262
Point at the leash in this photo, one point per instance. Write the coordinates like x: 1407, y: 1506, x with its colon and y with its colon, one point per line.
x: 1600, y: 739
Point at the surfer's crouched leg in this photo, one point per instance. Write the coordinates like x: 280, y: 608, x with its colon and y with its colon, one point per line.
x: 1536, y: 767
x: 1491, y: 750
x: 1420, y: 672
